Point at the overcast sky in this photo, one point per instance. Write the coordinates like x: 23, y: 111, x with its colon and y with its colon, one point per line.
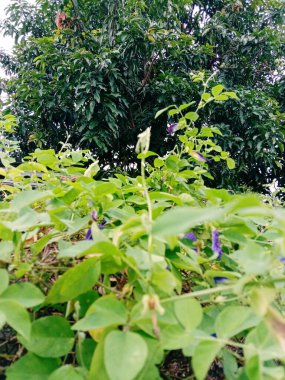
x: 5, y: 43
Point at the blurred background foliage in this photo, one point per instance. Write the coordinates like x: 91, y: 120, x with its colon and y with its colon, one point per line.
x: 101, y: 74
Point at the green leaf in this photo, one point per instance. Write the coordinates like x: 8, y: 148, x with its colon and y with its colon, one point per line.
x: 221, y: 97
x: 188, y: 312
x: 106, y: 311
x: 29, y: 219
x: 84, y: 352
x: 253, y: 259
x: 125, y: 355
x: 155, y: 356
x: 6, y: 249
x: 174, y: 337
x: 51, y: 337
x: 31, y: 367
x: 4, y: 280
x: 234, y: 319
x: 163, y: 280
x: 97, y: 368
x: 104, y: 189
x: 146, y: 155
x: 68, y: 372
x: 154, y: 195
x: 230, y: 163
x: 204, y: 354
x: 160, y: 112
x: 193, y: 116
x: 25, y: 293
x: 75, y: 281
x: 217, y: 90
x: 206, y: 96
x: 180, y: 219
x: 2, y: 319
x: 79, y: 249
x: 184, y: 106
x: 253, y: 368
x: 230, y: 365
x: 173, y: 112
x: 158, y: 162
x: 16, y: 316
x: 26, y: 198
x: 261, y: 340
x: 231, y: 94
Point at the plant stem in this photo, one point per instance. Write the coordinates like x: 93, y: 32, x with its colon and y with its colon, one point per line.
x: 199, y: 293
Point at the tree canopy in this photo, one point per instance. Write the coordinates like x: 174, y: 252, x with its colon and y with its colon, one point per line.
x: 102, y: 73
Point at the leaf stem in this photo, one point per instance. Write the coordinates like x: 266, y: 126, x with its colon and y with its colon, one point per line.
x: 199, y: 293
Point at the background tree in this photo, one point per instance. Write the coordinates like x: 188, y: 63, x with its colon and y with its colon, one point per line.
x: 102, y: 76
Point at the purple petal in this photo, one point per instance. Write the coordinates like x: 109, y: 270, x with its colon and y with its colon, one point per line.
x: 172, y: 128
x: 198, y: 156
x: 216, y: 245
x: 201, y: 157
x: 88, y: 235
x: 102, y: 225
x: 94, y: 215
x: 220, y: 280
x: 190, y: 236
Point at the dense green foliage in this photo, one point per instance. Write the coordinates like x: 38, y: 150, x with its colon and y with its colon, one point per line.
x: 101, y: 278
x: 112, y: 65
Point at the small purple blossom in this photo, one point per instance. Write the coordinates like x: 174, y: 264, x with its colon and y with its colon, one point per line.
x: 88, y: 235
x: 102, y: 225
x: 190, y: 236
x: 94, y: 215
x: 198, y: 156
x: 216, y: 245
x: 281, y: 258
x: 172, y: 128
x: 220, y: 280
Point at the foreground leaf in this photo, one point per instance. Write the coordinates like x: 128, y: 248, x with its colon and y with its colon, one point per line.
x: 25, y: 293
x: 4, y: 280
x: 68, y: 372
x: 234, y: 319
x: 51, y: 337
x: 106, y: 311
x: 204, y: 354
x: 125, y: 355
x: 180, y: 219
x: 75, y: 281
x: 189, y: 313
x: 31, y: 367
x: 16, y: 316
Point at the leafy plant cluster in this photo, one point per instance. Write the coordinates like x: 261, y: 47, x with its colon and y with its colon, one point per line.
x: 103, y: 75
x: 101, y: 278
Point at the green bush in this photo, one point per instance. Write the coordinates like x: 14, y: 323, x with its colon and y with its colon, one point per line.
x: 101, y: 278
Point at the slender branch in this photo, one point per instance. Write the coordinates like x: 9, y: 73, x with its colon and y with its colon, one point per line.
x: 199, y: 293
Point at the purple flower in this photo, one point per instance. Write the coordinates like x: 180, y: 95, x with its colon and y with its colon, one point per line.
x: 94, y: 215
x: 190, y: 236
x: 198, y: 156
x: 88, y: 235
x: 216, y: 245
x: 172, y: 128
x: 220, y: 280
x: 102, y: 225
x: 281, y: 258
